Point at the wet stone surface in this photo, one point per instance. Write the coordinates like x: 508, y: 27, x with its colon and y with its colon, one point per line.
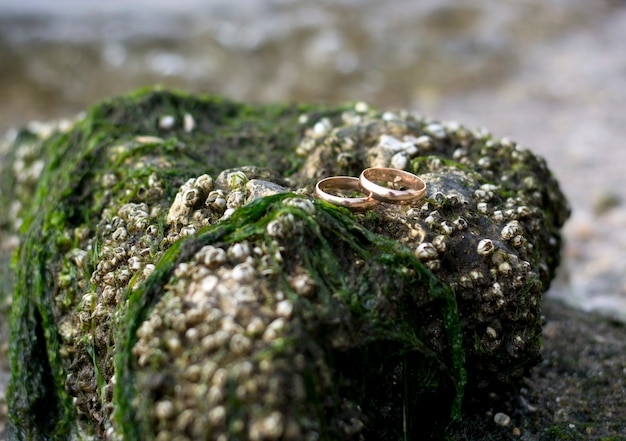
x: 575, y: 393
x: 179, y: 303
x: 483, y: 228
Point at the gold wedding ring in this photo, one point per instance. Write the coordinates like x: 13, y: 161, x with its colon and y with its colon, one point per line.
x: 343, y: 183
x: 412, y: 187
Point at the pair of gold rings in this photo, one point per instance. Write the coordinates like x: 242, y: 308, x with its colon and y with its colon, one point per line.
x: 404, y: 187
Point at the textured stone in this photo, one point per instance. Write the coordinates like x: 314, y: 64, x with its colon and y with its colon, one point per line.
x: 154, y: 298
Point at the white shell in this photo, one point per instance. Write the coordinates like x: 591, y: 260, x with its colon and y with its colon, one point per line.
x: 166, y: 122
x: 502, y: 419
x: 399, y: 160
x: 485, y: 247
x: 426, y: 251
x: 188, y: 123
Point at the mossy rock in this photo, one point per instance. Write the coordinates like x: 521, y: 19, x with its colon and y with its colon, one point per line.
x: 175, y: 279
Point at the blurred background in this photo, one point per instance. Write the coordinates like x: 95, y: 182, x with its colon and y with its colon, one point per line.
x: 549, y: 74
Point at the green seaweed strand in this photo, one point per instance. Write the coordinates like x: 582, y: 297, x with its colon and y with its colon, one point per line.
x: 437, y: 289
x: 40, y: 405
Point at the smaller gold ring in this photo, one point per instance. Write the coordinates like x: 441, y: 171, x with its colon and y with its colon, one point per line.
x: 343, y: 183
x: 415, y: 188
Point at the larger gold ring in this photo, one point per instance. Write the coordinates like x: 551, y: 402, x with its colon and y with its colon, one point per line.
x: 343, y: 183
x: 413, y: 188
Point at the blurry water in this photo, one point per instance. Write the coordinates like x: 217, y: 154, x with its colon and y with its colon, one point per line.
x: 550, y: 74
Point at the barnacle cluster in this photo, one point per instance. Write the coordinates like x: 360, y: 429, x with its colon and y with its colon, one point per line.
x: 488, y: 227
x: 192, y: 300
x: 222, y: 327
x: 127, y: 244
x: 200, y: 201
x: 105, y: 259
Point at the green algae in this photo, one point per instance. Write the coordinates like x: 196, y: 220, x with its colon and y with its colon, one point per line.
x: 63, y: 199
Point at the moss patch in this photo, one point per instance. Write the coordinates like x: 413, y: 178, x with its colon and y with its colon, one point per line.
x: 144, y: 264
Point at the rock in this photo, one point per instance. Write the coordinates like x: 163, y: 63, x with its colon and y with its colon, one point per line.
x: 576, y: 392
x: 492, y: 207
x: 155, y: 298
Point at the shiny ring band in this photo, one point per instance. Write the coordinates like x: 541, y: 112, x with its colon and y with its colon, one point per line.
x: 343, y: 183
x: 415, y: 188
